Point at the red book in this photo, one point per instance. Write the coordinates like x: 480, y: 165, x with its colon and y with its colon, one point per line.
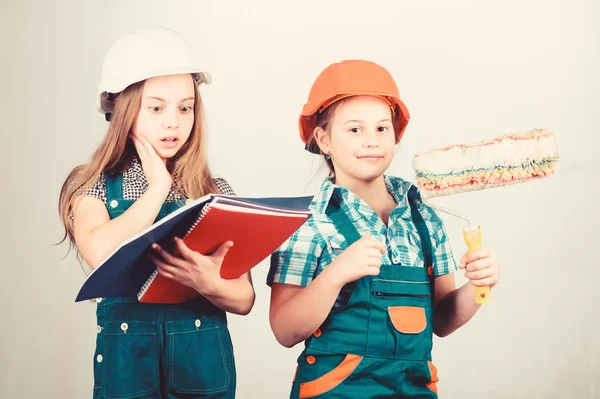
x: 257, y: 227
x: 255, y: 232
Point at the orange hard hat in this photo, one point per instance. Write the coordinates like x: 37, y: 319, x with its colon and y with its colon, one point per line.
x: 351, y: 78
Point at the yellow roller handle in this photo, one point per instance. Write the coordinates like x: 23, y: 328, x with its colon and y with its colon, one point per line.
x: 473, y: 239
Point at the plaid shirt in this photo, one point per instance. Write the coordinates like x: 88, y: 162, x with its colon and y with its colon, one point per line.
x: 317, y: 242
x: 135, y: 185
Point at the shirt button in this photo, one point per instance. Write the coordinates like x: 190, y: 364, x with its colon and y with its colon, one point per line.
x: 188, y: 201
x: 114, y: 203
x: 98, y: 300
x: 99, y: 358
x: 124, y: 327
x: 198, y: 323
x: 98, y: 329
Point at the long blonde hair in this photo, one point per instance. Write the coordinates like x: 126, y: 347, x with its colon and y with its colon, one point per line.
x: 116, y: 152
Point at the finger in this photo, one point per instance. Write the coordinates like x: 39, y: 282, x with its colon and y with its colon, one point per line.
x: 485, y: 282
x: 148, y: 146
x: 162, y: 266
x: 479, y: 274
x: 220, y: 253
x: 463, y: 262
x: 142, y: 150
x: 168, y: 257
x: 138, y: 145
x: 373, y: 262
x: 373, y: 253
x: 480, y: 264
x: 165, y: 273
x: 372, y: 271
x: 183, y: 250
x: 479, y: 254
x: 373, y: 243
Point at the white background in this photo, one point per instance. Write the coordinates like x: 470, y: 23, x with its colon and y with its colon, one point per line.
x: 467, y: 71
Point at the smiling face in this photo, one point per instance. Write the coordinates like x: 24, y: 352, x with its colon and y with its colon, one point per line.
x: 360, y: 139
x: 166, y: 115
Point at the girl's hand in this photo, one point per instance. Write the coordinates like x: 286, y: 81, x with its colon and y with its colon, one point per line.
x: 481, y: 267
x: 363, y: 258
x: 190, y: 268
x: 153, y: 166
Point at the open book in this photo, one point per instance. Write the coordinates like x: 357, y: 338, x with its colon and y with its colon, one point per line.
x: 257, y: 227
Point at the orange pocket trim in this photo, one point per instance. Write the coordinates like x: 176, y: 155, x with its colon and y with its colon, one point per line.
x: 434, y: 378
x: 408, y: 319
x: 330, y: 380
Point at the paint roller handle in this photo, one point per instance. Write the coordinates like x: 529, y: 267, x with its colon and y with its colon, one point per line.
x: 473, y: 239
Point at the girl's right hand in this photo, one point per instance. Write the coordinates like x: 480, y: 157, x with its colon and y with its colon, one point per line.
x: 363, y: 258
x: 153, y: 166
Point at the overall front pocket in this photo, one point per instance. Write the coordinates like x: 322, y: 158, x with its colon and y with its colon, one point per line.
x: 323, y: 374
x: 199, y: 356
x: 400, y: 320
x: 127, y: 358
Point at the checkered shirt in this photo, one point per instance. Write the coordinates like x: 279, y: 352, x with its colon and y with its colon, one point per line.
x: 317, y: 242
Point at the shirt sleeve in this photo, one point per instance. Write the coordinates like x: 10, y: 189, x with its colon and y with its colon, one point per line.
x: 223, y: 186
x: 98, y: 190
x: 297, y: 260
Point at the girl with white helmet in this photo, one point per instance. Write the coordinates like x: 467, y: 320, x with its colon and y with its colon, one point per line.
x: 151, y: 161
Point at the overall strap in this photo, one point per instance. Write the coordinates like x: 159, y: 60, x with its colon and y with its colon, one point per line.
x: 413, y: 197
x: 344, y: 225
x: 342, y: 222
x: 114, y: 186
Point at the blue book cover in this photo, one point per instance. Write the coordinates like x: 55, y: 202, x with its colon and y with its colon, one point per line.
x: 126, y: 270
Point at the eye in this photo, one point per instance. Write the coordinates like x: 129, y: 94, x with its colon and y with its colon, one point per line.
x: 155, y: 109
x: 382, y: 128
x: 185, y: 109
x: 355, y: 129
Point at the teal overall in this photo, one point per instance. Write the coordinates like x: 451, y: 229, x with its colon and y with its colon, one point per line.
x: 378, y: 345
x: 160, y: 351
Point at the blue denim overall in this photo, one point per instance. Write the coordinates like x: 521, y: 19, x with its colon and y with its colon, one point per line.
x: 160, y: 351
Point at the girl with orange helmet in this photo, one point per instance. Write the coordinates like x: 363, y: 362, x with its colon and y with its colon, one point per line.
x: 369, y: 279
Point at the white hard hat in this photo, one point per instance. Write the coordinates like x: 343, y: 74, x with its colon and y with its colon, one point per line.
x: 144, y: 53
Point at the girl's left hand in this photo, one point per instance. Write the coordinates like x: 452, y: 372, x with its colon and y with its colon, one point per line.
x: 190, y: 268
x: 481, y: 267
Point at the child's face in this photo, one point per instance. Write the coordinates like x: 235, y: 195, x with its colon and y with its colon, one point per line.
x: 166, y: 114
x: 362, y: 139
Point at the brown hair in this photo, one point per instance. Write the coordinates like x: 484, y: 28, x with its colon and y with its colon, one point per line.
x: 323, y: 119
x: 116, y: 152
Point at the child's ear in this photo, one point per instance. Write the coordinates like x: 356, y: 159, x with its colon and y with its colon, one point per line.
x: 322, y: 139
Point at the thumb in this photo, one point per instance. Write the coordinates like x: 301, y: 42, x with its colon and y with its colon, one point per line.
x: 220, y: 253
x: 367, y: 236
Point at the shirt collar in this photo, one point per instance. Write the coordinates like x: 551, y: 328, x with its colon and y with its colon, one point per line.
x: 396, y: 186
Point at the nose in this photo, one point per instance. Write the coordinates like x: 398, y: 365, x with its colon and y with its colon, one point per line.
x: 371, y: 139
x: 171, y: 119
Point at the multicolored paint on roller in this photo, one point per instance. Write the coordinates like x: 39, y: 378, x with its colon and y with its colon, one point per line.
x: 505, y: 160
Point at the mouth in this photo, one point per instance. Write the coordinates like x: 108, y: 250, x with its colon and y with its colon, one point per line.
x: 371, y: 157
x: 169, y: 142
